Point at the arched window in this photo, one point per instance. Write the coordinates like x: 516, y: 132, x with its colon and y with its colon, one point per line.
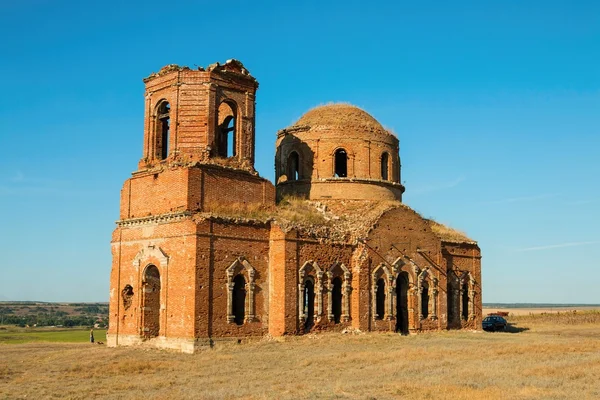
x: 402, y: 283
x: 162, y: 129
x: 381, y: 302
x: 384, y: 166
x: 339, y: 289
x: 309, y: 304
x: 310, y: 292
x: 380, y: 299
x: 226, y: 132
x: 336, y: 299
x: 238, y: 306
x: 293, y: 167
x: 240, y: 292
x: 465, y: 301
x: 151, y: 301
x: 425, y: 300
x: 453, y: 297
x: 341, y: 163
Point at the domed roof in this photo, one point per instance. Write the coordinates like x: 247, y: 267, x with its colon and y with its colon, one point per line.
x: 341, y: 116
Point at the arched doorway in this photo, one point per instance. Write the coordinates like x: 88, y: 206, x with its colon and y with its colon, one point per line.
x: 151, y: 302
x: 402, y: 303
x: 336, y: 299
x: 239, y: 299
x: 309, y: 304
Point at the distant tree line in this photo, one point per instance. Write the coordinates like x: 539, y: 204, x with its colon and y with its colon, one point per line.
x: 45, y: 317
x: 46, y: 320
x: 93, y: 309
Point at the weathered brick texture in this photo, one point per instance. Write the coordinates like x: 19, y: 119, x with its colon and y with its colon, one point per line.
x: 185, y: 273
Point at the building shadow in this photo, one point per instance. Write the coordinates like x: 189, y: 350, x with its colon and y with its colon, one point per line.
x: 510, y: 328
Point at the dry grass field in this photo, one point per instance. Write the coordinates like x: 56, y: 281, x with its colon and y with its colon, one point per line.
x: 538, y: 310
x: 552, y: 356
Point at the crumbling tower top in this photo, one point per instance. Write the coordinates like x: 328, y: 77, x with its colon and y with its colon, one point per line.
x: 203, y: 115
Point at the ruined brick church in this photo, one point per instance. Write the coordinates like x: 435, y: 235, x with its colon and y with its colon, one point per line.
x: 207, y: 250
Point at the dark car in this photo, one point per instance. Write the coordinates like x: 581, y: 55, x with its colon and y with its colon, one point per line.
x: 494, y: 323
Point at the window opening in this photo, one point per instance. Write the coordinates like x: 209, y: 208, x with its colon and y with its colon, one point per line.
x: 465, y: 301
x: 336, y: 299
x: 341, y: 164
x: 226, y: 137
x: 425, y: 300
x: 384, y: 166
x: 452, y: 297
x: 293, y: 172
x: 380, y: 299
x: 230, y: 129
x: 239, y: 299
x: 402, y: 303
x: 309, y: 304
x: 163, y: 129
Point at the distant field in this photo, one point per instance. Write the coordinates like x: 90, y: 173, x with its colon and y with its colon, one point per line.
x: 539, y: 310
x: 12, y: 335
x: 546, y: 356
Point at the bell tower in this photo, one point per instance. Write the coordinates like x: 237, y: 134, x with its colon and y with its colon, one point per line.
x: 198, y: 151
x: 202, y: 115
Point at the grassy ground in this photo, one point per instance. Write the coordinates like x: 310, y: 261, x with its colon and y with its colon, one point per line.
x: 13, y: 335
x: 548, y: 357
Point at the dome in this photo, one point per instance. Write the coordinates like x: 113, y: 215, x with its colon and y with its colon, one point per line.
x: 341, y: 117
x: 338, y: 151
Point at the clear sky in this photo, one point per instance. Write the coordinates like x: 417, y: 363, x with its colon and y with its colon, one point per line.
x: 496, y: 105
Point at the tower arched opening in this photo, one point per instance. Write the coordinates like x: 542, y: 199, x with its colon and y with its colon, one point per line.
x: 226, y: 140
x: 163, y: 121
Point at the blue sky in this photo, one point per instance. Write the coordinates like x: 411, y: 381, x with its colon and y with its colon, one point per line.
x: 496, y: 104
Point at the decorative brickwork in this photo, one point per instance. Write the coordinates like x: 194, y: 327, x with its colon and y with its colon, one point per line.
x: 203, y: 252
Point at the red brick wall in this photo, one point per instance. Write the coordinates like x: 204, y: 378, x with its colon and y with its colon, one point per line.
x: 230, y: 241
x: 402, y: 231
x: 157, y: 193
x: 177, y: 241
x: 199, y: 188
x: 280, y: 297
x: 466, y: 257
x: 341, y: 188
x: 213, y: 187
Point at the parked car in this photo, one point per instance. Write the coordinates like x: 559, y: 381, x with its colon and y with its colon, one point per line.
x: 494, y: 323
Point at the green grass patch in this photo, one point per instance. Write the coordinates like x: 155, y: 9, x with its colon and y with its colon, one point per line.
x: 12, y: 335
